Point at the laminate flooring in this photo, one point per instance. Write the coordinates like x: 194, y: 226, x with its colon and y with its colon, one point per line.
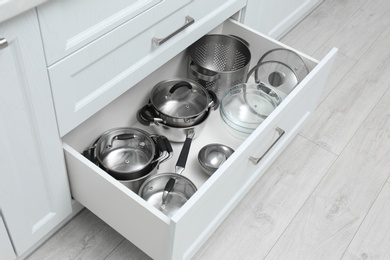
x: 328, y: 195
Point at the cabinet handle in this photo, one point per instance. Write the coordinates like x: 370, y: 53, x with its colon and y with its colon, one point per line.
x: 254, y: 160
x: 3, y: 43
x: 159, y: 41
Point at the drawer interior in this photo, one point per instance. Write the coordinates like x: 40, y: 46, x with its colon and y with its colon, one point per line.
x: 122, y: 113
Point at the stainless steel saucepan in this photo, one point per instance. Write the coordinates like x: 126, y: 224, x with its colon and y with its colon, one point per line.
x: 130, y: 155
x: 178, y: 103
x: 169, y: 191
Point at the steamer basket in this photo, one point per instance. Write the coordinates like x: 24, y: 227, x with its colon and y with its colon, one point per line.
x: 218, y: 62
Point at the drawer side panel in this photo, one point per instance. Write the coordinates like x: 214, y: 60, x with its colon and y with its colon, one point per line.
x: 210, y: 206
x: 115, y: 204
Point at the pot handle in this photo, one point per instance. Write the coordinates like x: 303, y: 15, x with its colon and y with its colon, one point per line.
x: 201, y: 76
x: 181, y: 162
x: 214, y: 100
x: 180, y: 84
x: 167, y: 189
x: 164, y: 146
x: 145, y: 116
x: 124, y: 137
x: 90, y: 154
x: 120, y: 137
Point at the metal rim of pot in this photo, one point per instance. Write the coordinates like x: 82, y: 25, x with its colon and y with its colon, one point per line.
x: 174, y: 134
x: 178, y: 103
x: 160, y: 151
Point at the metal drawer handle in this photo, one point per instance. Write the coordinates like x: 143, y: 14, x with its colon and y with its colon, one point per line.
x: 159, y: 41
x: 254, y: 160
x: 3, y: 43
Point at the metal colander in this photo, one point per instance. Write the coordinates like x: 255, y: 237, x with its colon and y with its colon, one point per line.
x: 218, y: 62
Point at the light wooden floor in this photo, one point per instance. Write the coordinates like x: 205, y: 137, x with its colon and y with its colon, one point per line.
x: 328, y: 195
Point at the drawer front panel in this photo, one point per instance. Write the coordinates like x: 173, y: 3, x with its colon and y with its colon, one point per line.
x: 218, y: 196
x: 185, y: 232
x: 92, y: 77
x: 87, y: 20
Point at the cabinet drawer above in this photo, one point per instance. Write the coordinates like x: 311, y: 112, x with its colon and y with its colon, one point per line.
x: 93, y: 76
x: 180, y: 236
x: 87, y: 20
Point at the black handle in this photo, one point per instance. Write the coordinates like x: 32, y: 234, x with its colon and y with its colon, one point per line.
x: 181, y: 84
x: 168, y: 145
x: 161, y: 144
x: 90, y: 154
x: 214, y: 99
x: 181, y: 162
x: 169, y: 186
x: 167, y: 189
x: 164, y: 145
x: 145, y: 115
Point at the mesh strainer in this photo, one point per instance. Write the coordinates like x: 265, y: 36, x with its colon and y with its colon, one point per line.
x: 218, y: 62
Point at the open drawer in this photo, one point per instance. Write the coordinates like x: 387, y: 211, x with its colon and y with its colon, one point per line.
x: 181, y: 236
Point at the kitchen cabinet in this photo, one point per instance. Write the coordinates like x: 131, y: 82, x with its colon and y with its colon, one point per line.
x: 276, y: 17
x: 101, y: 67
x: 6, y: 249
x: 180, y: 236
x: 11, y: 8
x: 89, y: 20
x: 34, y: 190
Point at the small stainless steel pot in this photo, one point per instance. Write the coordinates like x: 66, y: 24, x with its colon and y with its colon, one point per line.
x: 169, y: 191
x: 178, y: 103
x: 130, y: 155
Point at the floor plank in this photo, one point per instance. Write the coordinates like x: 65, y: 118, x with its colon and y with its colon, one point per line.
x: 362, y: 29
x: 372, y: 241
x: 340, y: 115
x: 85, y: 237
x: 321, y: 24
x: 327, y: 222
x: 127, y: 251
x: 255, y: 225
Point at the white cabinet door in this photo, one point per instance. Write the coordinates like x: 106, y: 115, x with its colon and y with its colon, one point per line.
x: 6, y: 250
x: 276, y: 17
x: 34, y: 192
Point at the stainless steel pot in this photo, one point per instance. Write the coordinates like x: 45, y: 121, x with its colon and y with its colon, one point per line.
x: 178, y: 103
x: 219, y: 62
x: 130, y: 155
x: 169, y: 191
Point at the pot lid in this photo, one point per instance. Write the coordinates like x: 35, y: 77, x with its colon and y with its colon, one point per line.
x: 180, y: 98
x: 277, y: 75
x: 124, y: 151
x: 290, y: 58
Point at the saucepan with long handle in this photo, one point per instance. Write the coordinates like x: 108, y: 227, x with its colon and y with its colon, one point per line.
x: 169, y: 191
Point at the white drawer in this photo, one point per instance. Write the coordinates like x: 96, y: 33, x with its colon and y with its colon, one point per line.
x: 181, y: 236
x: 69, y: 25
x: 89, y: 79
